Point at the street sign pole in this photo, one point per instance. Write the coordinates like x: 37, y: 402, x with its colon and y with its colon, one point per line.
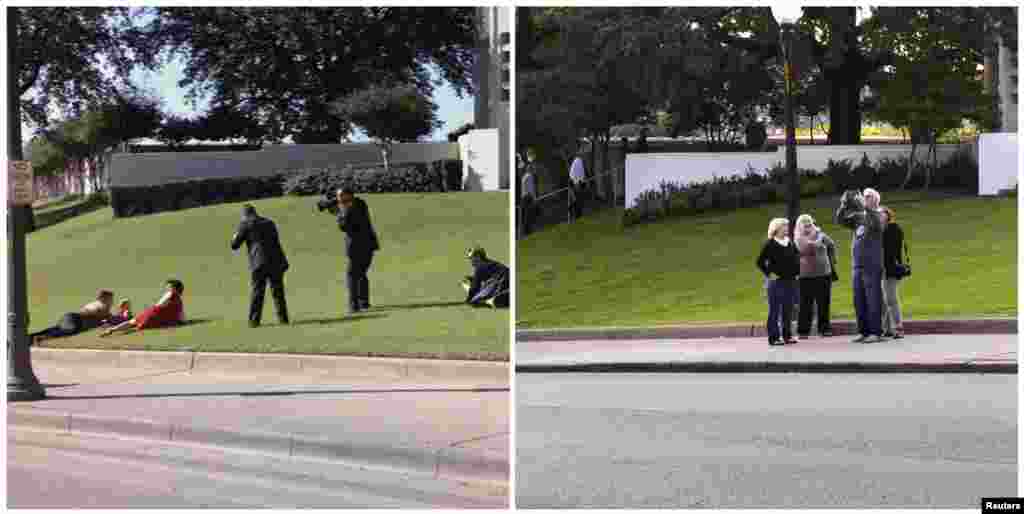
x: 22, y: 383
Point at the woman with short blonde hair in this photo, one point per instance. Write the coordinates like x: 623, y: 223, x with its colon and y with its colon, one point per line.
x: 779, y: 256
x: 817, y: 272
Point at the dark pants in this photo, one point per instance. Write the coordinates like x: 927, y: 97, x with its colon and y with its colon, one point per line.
x: 781, y: 295
x: 527, y: 214
x: 358, y: 283
x: 579, y: 191
x: 259, y: 288
x: 69, y: 325
x: 815, y: 291
x: 867, y: 299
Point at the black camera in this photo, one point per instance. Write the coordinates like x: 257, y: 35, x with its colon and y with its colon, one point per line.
x: 327, y: 204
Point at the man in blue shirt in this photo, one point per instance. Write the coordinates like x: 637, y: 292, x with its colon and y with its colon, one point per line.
x: 861, y: 214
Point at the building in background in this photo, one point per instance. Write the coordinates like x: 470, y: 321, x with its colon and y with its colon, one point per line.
x: 485, y: 151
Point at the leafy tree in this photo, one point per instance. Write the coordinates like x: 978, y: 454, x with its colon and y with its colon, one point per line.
x: 285, y: 66
x: 933, y: 85
x: 453, y: 136
x: 177, y: 130
x: 62, y: 52
x: 390, y: 114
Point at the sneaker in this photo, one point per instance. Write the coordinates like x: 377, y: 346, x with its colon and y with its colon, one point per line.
x: 790, y: 341
x: 898, y: 335
x: 888, y: 334
x: 775, y: 342
x: 860, y: 339
x: 874, y: 339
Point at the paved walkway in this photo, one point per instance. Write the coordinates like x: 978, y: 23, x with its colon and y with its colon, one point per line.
x: 963, y: 352
x: 455, y: 429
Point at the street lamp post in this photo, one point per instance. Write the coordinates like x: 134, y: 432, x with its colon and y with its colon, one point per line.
x: 787, y: 15
x: 22, y: 383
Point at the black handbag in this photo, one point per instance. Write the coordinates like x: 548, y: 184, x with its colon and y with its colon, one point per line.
x: 903, y: 270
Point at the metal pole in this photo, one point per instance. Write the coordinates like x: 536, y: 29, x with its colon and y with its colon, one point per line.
x: 22, y: 383
x: 793, y: 210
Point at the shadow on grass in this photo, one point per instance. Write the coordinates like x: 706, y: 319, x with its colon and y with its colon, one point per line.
x: 343, y: 319
x: 411, y: 306
x: 289, y: 393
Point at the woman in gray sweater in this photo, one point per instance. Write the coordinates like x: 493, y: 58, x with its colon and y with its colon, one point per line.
x: 817, y: 272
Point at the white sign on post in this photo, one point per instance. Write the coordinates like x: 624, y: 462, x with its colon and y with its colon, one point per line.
x: 19, y: 183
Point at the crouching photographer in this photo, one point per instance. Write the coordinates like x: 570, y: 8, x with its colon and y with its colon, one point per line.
x: 489, y: 284
x: 353, y: 217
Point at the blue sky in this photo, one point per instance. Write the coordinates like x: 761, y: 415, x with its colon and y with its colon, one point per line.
x: 452, y: 110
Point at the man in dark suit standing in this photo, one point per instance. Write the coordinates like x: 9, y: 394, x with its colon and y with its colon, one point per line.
x: 360, y: 244
x: 266, y: 263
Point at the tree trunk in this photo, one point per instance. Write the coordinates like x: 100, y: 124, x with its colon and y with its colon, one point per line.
x: 844, y: 110
x: 385, y: 153
x: 933, y: 157
x: 606, y: 164
x: 910, y: 165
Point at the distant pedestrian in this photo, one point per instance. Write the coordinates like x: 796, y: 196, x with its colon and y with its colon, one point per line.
x: 360, y: 244
x: 528, y: 196
x: 577, y: 185
x: 779, y: 256
x: 817, y: 272
x: 860, y: 212
x: 267, y: 263
x: 895, y: 270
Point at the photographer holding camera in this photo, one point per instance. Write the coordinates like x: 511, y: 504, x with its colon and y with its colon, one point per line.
x: 360, y: 243
x: 861, y: 214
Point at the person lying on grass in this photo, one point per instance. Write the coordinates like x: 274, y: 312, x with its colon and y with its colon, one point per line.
x: 124, y: 313
x: 169, y: 311
x: 88, y: 317
x: 489, y: 283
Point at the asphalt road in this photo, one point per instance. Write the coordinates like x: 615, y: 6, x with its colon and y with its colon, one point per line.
x: 764, y: 440
x: 59, y: 471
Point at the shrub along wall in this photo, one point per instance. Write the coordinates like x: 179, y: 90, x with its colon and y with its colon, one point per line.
x: 410, y: 178
x: 751, y: 188
x: 135, y: 201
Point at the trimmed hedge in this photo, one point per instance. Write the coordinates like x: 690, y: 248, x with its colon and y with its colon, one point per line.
x: 49, y: 217
x: 409, y: 178
x: 960, y: 172
x: 135, y: 201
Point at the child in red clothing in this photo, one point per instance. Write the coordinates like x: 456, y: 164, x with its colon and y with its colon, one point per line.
x: 170, y: 310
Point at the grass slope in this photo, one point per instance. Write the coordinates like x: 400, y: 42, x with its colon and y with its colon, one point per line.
x: 700, y: 270
x: 414, y: 279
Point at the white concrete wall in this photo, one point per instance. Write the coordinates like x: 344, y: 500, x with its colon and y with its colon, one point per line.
x: 480, y: 151
x: 997, y: 162
x: 645, y: 172
x: 149, y: 169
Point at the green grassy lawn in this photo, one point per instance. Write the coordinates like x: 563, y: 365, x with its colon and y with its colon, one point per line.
x: 700, y: 270
x: 414, y: 281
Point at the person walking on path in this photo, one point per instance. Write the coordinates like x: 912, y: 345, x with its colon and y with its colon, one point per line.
x: 860, y: 213
x: 360, y: 244
x: 779, y: 256
x: 817, y: 271
x: 577, y: 183
x: 267, y: 263
x: 892, y: 242
x: 528, y: 195
x: 88, y: 317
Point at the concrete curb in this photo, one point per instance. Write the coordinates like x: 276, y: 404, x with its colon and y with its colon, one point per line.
x: 845, y: 327
x: 318, y: 365
x: 773, y: 367
x: 449, y: 463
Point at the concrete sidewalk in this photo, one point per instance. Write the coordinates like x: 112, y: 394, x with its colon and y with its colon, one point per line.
x: 977, y: 353
x: 739, y: 330
x: 450, y: 429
